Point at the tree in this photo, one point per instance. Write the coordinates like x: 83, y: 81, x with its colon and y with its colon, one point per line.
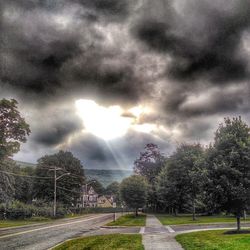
x: 97, y: 186
x: 24, y: 184
x: 169, y: 193
x: 7, y: 181
x: 113, y: 189
x: 133, y: 192
x: 150, y: 162
x: 149, y: 165
x: 13, y: 128
x: 182, y: 179
x: 68, y: 187
x: 13, y: 131
x: 229, y: 167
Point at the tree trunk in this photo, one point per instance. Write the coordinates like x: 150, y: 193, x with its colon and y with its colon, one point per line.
x: 136, y: 212
x: 175, y: 212
x: 194, y: 217
x: 244, y: 214
x: 238, y: 223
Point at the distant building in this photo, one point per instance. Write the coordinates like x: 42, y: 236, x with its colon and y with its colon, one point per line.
x: 90, y: 198
x: 104, y: 201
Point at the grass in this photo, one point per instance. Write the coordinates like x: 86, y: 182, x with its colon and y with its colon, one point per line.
x: 214, y: 240
x: 33, y: 220
x: 129, y: 220
x: 15, y: 223
x: 187, y: 219
x: 104, y: 242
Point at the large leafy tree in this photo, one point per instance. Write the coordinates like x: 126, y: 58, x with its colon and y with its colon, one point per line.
x: 229, y: 167
x: 7, y: 181
x: 69, y: 186
x: 133, y: 191
x: 112, y: 188
x: 181, y: 181
x: 13, y: 128
x: 13, y: 131
x: 149, y: 164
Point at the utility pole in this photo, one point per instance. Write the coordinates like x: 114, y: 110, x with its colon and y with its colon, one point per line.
x: 55, y: 185
x: 54, y: 207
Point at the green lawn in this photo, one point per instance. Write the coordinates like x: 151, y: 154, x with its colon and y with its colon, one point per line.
x: 104, y: 242
x: 129, y: 220
x: 214, y: 240
x: 173, y: 220
x: 15, y: 223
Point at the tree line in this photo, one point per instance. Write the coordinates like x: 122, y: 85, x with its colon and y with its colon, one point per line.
x: 35, y: 185
x: 195, y: 178
x: 210, y: 180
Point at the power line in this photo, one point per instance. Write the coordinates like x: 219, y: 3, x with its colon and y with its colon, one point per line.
x: 66, y: 189
x: 28, y: 176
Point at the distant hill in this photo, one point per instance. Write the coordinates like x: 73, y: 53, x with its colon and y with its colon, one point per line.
x: 23, y: 164
x: 107, y: 176
x: 104, y: 176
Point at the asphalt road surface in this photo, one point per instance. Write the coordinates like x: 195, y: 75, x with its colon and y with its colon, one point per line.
x: 45, y: 236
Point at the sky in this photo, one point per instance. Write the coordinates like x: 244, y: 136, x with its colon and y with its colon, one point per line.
x: 102, y: 78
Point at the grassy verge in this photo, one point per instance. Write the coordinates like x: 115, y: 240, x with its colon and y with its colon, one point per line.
x: 129, y: 220
x: 214, y: 240
x: 15, y: 223
x: 34, y: 220
x: 178, y: 220
x: 104, y: 242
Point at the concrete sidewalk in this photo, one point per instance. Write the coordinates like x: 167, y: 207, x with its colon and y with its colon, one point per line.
x: 158, y: 237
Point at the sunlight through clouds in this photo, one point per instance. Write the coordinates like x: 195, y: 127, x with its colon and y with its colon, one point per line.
x: 108, y: 122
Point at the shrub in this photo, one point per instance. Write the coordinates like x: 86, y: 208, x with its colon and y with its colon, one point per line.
x: 18, y: 210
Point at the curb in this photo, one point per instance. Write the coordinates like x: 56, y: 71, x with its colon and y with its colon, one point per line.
x: 205, y: 229
x: 114, y: 227
x: 207, y: 224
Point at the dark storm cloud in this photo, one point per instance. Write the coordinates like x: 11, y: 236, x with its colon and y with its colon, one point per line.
x: 205, y: 100
x: 113, y: 8
x: 41, y: 56
x: 119, y: 153
x: 187, y: 59
x: 56, y: 133
x: 93, y: 152
x: 204, y: 44
x: 216, y: 101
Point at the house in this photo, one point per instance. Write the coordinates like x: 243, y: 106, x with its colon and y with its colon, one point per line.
x: 104, y: 201
x: 88, y: 198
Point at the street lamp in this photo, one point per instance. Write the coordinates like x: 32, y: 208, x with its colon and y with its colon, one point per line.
x: 55, y: 182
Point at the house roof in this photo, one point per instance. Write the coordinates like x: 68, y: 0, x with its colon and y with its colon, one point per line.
x: 89, y: 187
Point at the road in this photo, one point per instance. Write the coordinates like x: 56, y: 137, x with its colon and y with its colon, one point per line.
x: 45, y: 236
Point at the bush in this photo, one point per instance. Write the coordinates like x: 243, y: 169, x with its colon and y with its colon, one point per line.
x: 45, y: 209
x: 2, y: 212
x: 18, y: 210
